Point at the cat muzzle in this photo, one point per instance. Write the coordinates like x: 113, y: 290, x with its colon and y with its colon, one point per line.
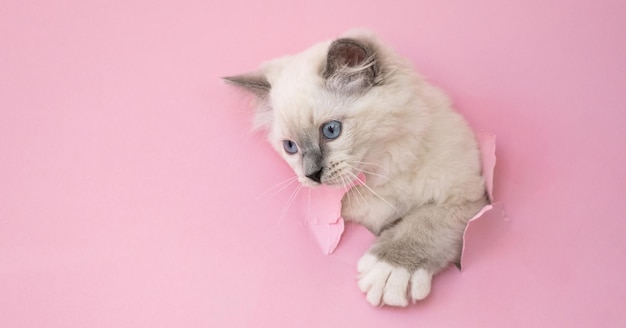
x: 316, y: 176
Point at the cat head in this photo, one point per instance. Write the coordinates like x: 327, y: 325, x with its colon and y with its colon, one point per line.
x: 331, y: 110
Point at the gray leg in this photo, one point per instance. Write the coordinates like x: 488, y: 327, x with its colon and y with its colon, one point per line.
x: 406, y: 255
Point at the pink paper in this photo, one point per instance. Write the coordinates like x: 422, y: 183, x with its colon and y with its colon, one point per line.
x: 487, y: 144
x: 323, y: 205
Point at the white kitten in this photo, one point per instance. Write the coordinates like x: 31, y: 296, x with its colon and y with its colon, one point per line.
x: 352, y: 106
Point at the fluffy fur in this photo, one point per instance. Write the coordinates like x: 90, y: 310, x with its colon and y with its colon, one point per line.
x: 419, y: 157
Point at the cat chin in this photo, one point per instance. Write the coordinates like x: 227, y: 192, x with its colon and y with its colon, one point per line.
x: 306, y: 182
x: 310, y: 184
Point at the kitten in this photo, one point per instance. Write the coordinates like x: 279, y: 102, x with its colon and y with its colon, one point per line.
x: 352, y: 106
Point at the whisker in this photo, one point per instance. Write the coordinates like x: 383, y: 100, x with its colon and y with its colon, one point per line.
x: 366, y: 163
x: 373, y: 192
x: 368, y: 172
x: 345, y: 187
x: 377, y: 175
x: 290, y: 201
x: 361, y: 195
x: 284, y: 184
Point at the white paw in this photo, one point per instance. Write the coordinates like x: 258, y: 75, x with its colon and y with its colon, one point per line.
x: 386, y: 284
x: 420, y: 284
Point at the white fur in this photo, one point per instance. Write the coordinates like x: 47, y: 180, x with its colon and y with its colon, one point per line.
x: 385, y: 284
x: 420, y: 284
x: 396, y: 287
x: 373, y: 282
x: 366, y: 263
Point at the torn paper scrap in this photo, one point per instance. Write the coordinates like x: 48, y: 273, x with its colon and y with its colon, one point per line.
x: 487, y: 144
x: 323, y: 214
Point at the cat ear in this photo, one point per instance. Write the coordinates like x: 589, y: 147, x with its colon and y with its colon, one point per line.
x: 255, y: 83
x: 350, y: 63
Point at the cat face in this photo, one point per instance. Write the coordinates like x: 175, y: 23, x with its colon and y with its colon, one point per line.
x: 322, y: 110
x: 321, y: 141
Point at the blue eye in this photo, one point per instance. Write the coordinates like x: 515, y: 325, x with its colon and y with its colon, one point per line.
x: 331, y: 130
x: 290, y: 146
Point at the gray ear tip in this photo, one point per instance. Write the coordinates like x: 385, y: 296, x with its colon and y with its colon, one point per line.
x: 349, y: 40
x: 255, y: 83
x: 344, y: 40
x: 229, y: 79
x: 348, y: 43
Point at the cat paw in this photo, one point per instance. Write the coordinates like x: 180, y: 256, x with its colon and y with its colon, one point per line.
x: 386, y: 284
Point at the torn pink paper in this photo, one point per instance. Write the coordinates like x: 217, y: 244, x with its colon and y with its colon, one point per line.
x: 324, y: 216
x: 324, y: 203
x: 487, y: 144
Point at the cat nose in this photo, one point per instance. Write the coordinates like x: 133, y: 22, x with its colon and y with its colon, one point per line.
x: 316, y: 176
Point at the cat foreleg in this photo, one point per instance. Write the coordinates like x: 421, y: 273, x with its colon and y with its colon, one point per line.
x: 370, y: 208
x: 400, y: 265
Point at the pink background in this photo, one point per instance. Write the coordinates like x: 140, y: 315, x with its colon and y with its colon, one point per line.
x: 129, y: 181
